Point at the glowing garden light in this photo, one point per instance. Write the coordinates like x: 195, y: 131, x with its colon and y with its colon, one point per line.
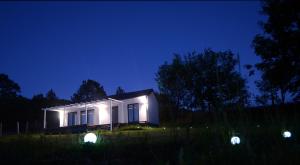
x: 286, y: 134
x: 235, y: 140
x: 90, y: 137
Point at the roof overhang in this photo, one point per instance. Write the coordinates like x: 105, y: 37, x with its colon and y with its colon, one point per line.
x: 80, y: 105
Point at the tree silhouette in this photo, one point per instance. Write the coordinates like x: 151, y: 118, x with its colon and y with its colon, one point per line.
x: 120, y: 91
x: 171, y: 83
x: 8, y: 88
x: 268, y: 93
x: 206, y: 81
x: 279, y: 46
x: 50, y: 95
x: 88, y: 90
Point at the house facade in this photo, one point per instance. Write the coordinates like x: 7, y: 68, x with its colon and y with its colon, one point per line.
x: 131, y: 107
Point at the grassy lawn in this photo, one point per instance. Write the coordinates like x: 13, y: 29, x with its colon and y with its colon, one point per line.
x: 207, y: 144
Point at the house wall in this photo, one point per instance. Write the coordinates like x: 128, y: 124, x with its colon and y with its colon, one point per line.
x: 153, y: 109
x: 142, y: 109
x: 63, y: 115
x: 148, y: 111
x: 104, y: 113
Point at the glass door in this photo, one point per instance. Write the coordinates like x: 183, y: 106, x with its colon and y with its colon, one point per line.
x: 133, y: 113
x: 82, y: 117
x: 90, y: 117
x: 72, y: 118
x: 115, y: 115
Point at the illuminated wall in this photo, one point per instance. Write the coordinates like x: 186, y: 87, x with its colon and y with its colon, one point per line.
x: 148, y: 111
x: 103, y: 114
x: 61, y: 118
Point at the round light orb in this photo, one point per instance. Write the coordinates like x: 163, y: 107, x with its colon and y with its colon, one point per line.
x: 90, y: 137
x: 235, y: 140
x: 286, y: 134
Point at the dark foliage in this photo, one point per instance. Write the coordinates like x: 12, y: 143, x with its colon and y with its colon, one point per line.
x: 89, y: 90
x: 27, y: 112
x: 279, y: 47
x: 268, y: 93
x: 202, y: 81
x: 8, y: 88
x: 120, y: 90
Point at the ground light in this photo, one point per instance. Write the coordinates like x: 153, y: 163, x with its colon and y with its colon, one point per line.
x: 286, y: 134
x: 235, y: 140
x: 90, y: 137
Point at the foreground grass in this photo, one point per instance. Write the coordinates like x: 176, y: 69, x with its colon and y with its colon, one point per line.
x: 206, y: 144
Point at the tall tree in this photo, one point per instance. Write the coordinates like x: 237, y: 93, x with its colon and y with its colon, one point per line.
x: 215, y: 82
x: 204, y: 81
x: 120, y: 91
x: 8, y: 88
x: 279, y: 47
x: 166, y: 108
x: 53, y: 100
x: 50, y: 95
x: 89, y: 90
x: 38, y: 97
x: 171, y: 83
x: 268, y: 92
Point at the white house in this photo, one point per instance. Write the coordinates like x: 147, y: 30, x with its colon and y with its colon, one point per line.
x: 131, y: 107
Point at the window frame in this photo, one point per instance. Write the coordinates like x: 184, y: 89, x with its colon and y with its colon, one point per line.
x: 82, y: 113
x: 92, y: 118
x: 135, y: 108
x: 73, y: 116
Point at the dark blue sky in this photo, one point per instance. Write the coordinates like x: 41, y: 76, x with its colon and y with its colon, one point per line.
x: 57, y: 45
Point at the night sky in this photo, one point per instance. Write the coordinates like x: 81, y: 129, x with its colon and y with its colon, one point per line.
x: 57, y: 45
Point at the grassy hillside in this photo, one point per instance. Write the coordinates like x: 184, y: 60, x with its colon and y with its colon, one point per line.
x: 206, y: 144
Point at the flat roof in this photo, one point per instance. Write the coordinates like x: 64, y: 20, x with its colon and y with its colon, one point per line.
x: 123, y: 96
